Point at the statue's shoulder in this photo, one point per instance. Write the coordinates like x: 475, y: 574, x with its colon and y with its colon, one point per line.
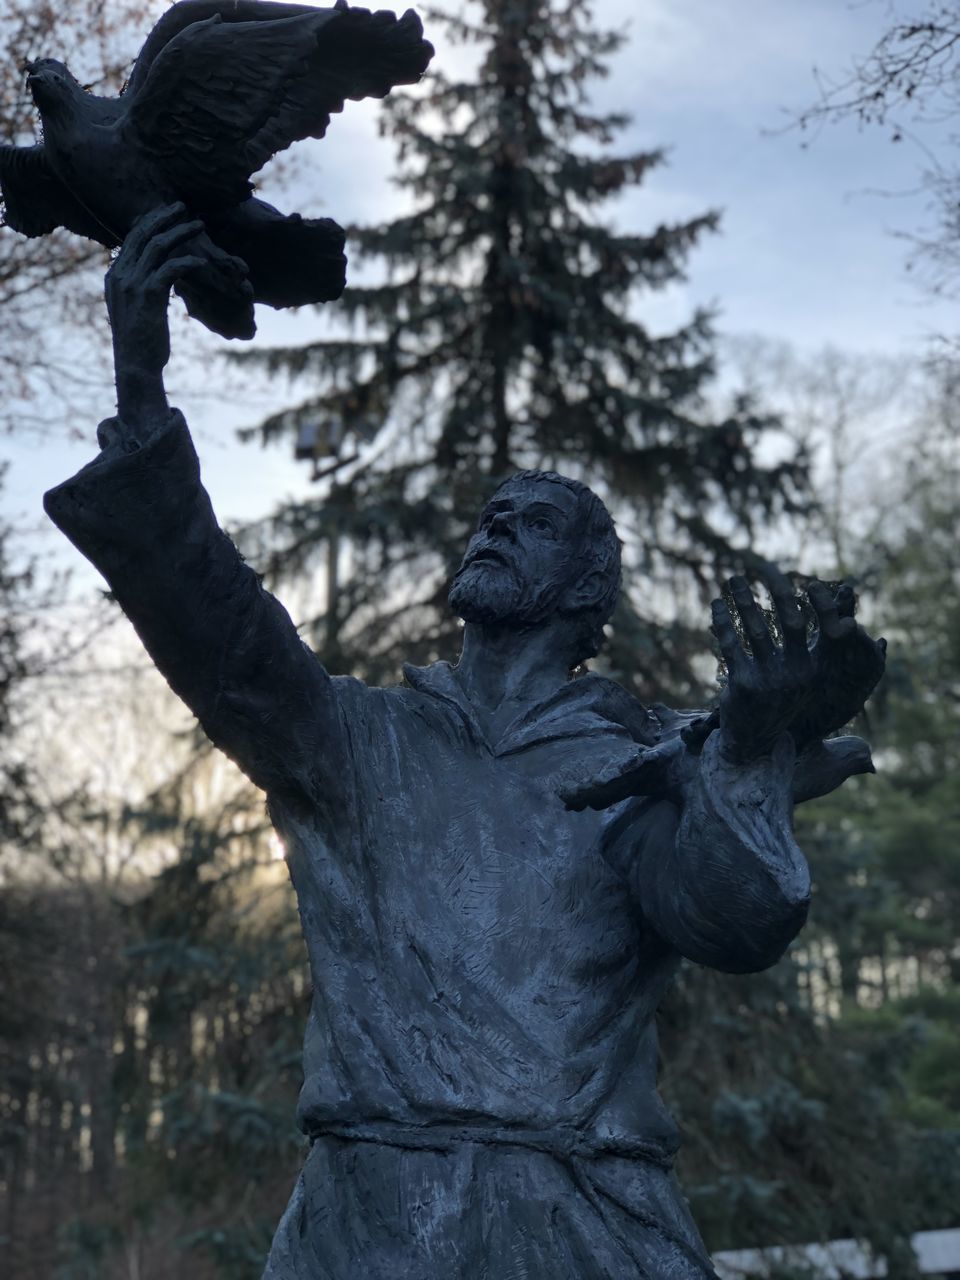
x: 648, y: 725
x: 353, y: 693
x: 617, y: 704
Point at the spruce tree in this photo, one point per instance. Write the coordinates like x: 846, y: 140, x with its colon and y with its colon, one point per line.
x: 506, y: 331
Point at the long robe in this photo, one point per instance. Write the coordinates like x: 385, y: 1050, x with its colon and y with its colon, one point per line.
x: 480, y: 1055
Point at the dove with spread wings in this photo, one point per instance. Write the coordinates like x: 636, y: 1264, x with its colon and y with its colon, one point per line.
x: 219, y: 87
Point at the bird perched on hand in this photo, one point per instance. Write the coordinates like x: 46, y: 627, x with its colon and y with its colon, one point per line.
x: 219, y: 87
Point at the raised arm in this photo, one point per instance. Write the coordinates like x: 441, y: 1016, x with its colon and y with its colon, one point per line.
x: 140, y: 514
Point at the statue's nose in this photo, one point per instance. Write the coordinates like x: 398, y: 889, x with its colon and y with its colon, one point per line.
x: 504, y: 522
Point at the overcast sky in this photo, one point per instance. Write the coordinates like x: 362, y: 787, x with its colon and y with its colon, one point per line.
x: 807, y: 250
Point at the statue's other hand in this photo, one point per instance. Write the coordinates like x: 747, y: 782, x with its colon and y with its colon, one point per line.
x: 847, y: 664
x: 769, y: 684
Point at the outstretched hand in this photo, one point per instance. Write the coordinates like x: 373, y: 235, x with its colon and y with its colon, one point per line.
x: 848, y: 664
x: 809, y: 689
x: 768, y: 688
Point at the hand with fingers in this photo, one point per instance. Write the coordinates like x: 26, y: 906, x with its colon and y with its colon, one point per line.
x: 163, y: 248
x: 809, y: 689
x: 768, y: 688
x: 847, y: 662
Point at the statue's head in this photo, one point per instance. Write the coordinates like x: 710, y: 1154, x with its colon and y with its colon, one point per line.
x: 51, y: 84
x: 545, y: 547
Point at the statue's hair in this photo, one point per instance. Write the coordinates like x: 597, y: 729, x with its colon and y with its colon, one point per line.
x: 600, y: 553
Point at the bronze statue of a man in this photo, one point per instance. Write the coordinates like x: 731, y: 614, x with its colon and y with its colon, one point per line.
x: 498, y: 867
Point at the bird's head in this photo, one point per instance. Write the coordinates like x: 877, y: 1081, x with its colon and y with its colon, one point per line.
x: 51, y: 84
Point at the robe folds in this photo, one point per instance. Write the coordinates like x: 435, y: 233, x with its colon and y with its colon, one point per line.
x: 480, y: 1056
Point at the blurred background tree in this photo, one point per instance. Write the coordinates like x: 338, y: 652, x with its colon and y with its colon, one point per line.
x: 150, y: 1028
x: 906, y: 82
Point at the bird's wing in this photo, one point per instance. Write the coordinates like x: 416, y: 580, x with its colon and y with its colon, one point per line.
x: 36, y: 202
x: 221, y: 97
x: 186, y: 12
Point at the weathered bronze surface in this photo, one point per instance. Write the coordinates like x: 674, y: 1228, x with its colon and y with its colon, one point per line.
x: 499, y: 867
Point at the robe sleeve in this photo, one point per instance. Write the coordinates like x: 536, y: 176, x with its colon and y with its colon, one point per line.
x: 721, y: 877
x: 225, y: 646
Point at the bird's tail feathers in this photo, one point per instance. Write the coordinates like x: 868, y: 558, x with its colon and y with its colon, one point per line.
x: 292, y: 261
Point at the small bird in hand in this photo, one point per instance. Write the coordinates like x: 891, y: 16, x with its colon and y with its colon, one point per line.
x: 219, y: 87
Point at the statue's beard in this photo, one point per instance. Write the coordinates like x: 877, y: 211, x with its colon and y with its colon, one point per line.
x: 488, y: 592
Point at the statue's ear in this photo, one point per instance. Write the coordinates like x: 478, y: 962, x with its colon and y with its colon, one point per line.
x: 586, y: 592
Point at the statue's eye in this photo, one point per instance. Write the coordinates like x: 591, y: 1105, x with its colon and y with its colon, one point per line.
x: 543, y: 524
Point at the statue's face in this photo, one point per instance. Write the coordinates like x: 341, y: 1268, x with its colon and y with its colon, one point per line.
x: 526, y: 551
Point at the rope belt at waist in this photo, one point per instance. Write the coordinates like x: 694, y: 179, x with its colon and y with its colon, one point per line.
x: 561, y: 1141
